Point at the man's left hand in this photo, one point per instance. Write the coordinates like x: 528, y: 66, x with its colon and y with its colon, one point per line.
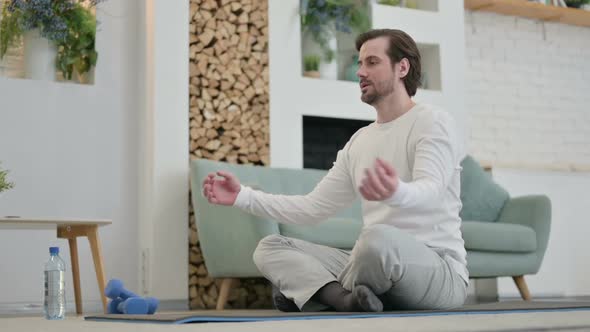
x: 379, y: 183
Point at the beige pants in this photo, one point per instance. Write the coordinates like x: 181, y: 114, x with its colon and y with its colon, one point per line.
x: 403, y: 272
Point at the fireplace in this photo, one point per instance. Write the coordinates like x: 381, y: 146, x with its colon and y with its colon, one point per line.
x: 324, y: 137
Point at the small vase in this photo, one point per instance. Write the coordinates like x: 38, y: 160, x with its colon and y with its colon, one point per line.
x: 329, y: 70
x: 39, y: 56
x: 312, y: 74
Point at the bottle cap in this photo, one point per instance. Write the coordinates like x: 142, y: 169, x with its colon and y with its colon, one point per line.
x: 54, y: 250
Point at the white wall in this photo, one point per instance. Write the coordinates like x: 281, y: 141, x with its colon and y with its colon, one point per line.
x: 164, y: 151
x: 564, y: 271
x: 72, y: 152
x: 528, y: 108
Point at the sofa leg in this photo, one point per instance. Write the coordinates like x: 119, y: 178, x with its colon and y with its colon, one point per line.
x: 522, y: 287
x: 226, y: 285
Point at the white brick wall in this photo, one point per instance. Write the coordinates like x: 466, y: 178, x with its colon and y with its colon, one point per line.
x: 528, y: 92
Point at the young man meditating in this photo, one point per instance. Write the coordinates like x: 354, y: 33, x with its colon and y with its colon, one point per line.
x: 405, y: 167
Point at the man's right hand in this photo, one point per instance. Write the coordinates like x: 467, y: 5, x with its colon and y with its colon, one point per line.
x: 221, y: 191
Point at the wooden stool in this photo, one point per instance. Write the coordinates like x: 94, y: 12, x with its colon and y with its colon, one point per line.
x: 70, y: 229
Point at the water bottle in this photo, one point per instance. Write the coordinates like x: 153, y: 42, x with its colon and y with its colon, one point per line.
x: 55, y: 297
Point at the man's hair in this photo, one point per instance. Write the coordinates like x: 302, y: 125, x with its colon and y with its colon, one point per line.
x: 401, y: 45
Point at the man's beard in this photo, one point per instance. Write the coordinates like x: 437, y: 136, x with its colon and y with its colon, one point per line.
x: 381, y: 89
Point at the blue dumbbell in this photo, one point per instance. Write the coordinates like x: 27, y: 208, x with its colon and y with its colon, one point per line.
x: 115, y: 289
x: 133, y: 306
x: 130, y: 306
x: 113, y: 306
x: 153, y: 304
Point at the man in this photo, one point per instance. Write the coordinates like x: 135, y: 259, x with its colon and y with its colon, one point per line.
x: 406, y: 169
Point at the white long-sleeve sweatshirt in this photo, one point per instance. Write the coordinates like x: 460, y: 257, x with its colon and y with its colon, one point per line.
x: 424, y: 148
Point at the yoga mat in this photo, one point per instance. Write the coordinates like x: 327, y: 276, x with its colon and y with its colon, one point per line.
x: 210, y: 316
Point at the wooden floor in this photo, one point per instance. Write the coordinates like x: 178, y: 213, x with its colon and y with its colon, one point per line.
x: 539, y: 321
x: 508, y: 322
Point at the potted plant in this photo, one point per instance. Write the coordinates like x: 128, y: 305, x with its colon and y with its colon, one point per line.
x: 61, y: 30
x: 321, y: 20
x: 4, y: 184
x: 311, y: 65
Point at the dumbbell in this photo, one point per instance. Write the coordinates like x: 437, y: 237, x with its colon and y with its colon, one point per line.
x: 115, y: 289
x: 113, y: 306
x: 130, y: 306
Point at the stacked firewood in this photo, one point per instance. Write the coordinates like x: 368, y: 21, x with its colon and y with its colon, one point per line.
x: 229, y: 109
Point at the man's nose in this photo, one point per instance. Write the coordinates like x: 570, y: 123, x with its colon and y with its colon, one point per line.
x: 361, y: 73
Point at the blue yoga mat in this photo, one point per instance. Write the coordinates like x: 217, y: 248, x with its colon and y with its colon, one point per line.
x: 211, y: 316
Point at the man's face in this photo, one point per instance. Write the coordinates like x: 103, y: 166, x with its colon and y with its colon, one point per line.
x: 377, y: 76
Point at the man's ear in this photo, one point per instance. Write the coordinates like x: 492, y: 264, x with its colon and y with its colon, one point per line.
x: 404, y: 67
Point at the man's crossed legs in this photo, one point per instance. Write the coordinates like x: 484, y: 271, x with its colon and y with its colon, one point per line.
x: 387, y: 269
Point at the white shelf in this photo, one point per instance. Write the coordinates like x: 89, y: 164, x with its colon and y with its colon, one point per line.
x: 341, y: 99
x: 410, y: 21
x: 66, y: 88
x: 332, y: 98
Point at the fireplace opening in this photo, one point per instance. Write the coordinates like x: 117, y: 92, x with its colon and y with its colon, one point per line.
x: 324, y: 137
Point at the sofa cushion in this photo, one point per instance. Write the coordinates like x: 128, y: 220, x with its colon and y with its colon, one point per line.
x: 499, y: 237
x: 339, y: 233
x: 482, y: 198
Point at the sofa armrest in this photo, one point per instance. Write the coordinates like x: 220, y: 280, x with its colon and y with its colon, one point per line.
x: 228, y: 237
x: 533, y: 211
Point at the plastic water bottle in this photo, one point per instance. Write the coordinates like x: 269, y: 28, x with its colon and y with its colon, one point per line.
x: 55, y: 297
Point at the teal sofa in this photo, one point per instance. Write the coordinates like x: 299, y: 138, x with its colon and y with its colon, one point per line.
x: 504, y: 237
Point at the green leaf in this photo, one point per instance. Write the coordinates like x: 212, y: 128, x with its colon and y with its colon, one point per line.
x: 77, y: 51
x: 70, y: 60
x: 4, y: 184
x: 93, y: 57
